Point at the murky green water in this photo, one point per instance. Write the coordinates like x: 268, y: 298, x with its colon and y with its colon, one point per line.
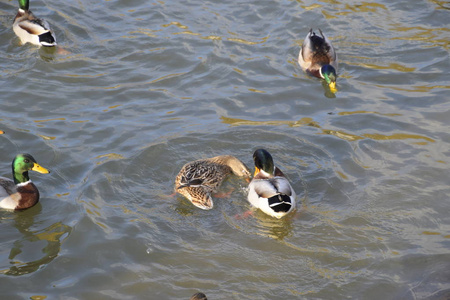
x: 147, y: 86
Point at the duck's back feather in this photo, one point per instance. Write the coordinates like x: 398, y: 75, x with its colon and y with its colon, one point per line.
x: 34, y: 26
x: 202, y: 173
x: 316, y: 52
x: 270, y: 187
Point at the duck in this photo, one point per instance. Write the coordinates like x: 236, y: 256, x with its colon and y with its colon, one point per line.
x: 198, y: 296
x: 318, y: 58
x: 20, y: 193
x: 31, y: 29
x: 198, y: 179
x: 269, y: 190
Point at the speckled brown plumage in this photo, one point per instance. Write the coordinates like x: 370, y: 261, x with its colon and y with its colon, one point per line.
x: 198, y: 296
x: 198, y: 179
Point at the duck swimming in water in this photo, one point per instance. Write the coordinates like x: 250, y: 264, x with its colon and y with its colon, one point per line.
x: 20, y: 193
x: 269, y: 189
x: 318, y: 58
x: 198, y: 179
x: 31, y: 29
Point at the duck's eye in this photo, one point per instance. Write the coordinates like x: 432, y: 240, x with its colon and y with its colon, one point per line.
x: 26, y: 161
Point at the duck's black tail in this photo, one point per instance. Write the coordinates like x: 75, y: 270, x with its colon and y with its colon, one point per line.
x: 280, y: 203
x: 47, y: 39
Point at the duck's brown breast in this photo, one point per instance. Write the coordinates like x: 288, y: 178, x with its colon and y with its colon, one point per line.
x: 29, y: 195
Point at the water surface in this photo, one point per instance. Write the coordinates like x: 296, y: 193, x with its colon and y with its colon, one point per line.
x: 143, y: 87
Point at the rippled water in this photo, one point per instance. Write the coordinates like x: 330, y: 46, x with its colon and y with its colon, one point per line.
x: 139, y: 88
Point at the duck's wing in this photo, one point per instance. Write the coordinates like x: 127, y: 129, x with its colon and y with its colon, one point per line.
x: 7, y: 187
x: 307, y: 52
x: 331, y: 53
x: 34, y: 26
x: 265, y: 188
x: 282, y: 185
x: 203, y: 174
x: 9, y: 198
x: 189, y: 183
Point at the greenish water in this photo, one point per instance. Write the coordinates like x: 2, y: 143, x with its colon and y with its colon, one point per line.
x: 139, y: 88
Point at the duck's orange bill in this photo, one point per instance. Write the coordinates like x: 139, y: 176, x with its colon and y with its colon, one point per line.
x: 256, y: 171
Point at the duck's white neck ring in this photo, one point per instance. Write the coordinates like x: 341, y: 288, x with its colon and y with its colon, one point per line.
x: 24, y: 183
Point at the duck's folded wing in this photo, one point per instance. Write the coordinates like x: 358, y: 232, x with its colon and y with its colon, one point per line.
x: 190, y: 183
x: 35, y: 26
x: 7, y: 187
x: 307, y: 52
x: 282, y: 185
x: 265, y: 188
x: 329, y: 48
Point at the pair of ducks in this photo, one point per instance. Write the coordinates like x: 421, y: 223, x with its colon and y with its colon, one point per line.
x: 269, y: 190
x: 317, y: 56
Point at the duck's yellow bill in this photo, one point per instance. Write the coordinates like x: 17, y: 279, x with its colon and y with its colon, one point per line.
x: 332, y: 86
x: 40, y: 169
x: 256, y: 171
x: 2, y: 132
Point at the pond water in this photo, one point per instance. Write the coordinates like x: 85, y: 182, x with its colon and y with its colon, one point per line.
x: 138, y: 88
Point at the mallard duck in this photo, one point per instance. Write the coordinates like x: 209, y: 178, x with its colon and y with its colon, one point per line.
x: 198, y: 296
x: 318, y: 58
x: 269, y: 189
x: 198, y: 179
x: 20, y: 193
x: 31, y: 29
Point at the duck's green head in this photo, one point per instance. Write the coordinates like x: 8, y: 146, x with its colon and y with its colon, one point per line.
x: 24, y: 4
x: 328, y: 73
x: 263, y: 161
x: 23, y: 163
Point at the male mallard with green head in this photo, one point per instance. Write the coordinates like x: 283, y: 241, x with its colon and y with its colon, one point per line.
x: 20, y: 193
x: 31, y: 29
x: 269, y: 189
x: 318, y: 58
x: 198, y: 179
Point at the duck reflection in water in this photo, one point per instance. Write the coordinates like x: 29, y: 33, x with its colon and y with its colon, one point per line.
x: 31, y: 242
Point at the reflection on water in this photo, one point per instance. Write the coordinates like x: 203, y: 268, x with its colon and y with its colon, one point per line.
x: 276, y: 229
x: 340, y: 134
x: 258, y: 223
x: 34, y: 248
